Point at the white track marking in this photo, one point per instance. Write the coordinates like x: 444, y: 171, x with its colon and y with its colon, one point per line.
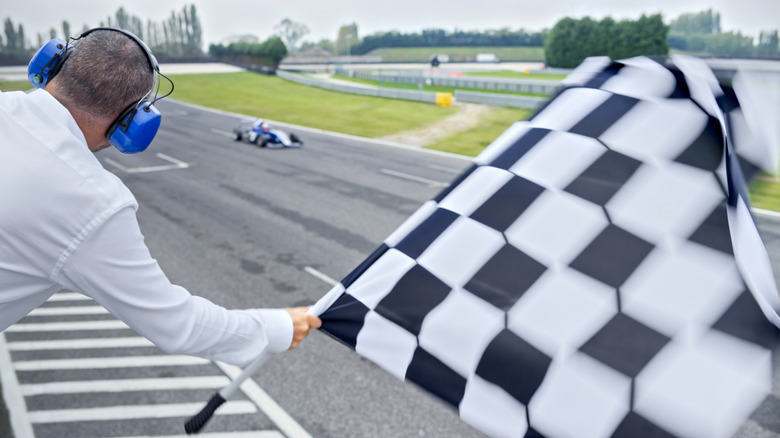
x: 12, y: 394
x: 109, y: 362
x: 279, y: 416
x: 80, y: 344
x: 418, y: 179
x: 67, y: 326
x: 135, y: 412
x: 125, y: 385
x: 320, y: 275
x: 250, y: 434
x: 70, y: 310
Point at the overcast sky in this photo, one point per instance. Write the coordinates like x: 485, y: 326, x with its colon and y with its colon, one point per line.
x: 224, y: 18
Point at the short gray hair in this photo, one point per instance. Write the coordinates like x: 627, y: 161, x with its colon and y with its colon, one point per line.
x: 106, y: 72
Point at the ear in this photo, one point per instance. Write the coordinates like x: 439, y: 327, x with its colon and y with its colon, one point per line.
x: 134, y: 129
x: 47, y: 61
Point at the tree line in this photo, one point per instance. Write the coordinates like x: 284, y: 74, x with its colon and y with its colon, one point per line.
x: 441, y: 38
x: 701, y: 33
x: 572, y: 40
x: 569, y: 41
x: 180, y: 35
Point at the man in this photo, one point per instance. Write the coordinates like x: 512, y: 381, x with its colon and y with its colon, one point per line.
x: 65, y: 222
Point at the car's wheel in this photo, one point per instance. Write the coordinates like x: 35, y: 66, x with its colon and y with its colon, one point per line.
x: 237, y: 136
x: 263, y: 143
x: 294, y: 138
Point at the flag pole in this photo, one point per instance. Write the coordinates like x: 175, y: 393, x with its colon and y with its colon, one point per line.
x: 197, y: 421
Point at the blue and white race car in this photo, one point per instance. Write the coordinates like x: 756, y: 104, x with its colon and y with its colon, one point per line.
x: 259, y: 132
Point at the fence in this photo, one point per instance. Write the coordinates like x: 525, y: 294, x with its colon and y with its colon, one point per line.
x: 495, y: 99
x: 533, y: 86
x: 420, y: 96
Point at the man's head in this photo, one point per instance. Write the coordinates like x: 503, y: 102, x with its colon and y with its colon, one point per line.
x: 107, y: 72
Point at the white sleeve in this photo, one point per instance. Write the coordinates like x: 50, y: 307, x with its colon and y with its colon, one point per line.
x: 113, y: 266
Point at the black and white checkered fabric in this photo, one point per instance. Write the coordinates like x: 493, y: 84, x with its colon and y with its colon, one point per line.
x: 595, y: 273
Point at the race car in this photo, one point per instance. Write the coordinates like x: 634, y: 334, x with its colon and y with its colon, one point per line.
x: 259, y: 132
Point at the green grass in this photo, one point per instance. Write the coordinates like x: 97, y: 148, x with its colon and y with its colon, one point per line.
x: 14, y: 85
x: 511, y: 74
x: 274, y: 98
x: 430, y: 88
x: 458, y: 54
x: 471, y: 142
x: 765, y: 193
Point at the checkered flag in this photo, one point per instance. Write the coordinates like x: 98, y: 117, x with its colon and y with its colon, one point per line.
x: 595, y: 273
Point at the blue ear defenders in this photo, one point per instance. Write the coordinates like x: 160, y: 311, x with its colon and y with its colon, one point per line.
x: 135, y: 128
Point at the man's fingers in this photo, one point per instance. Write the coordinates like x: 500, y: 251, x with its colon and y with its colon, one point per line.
x: 314, y: 321
x: 302, y: 324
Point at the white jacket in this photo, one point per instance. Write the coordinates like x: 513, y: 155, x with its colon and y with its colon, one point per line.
x: 65, y: 222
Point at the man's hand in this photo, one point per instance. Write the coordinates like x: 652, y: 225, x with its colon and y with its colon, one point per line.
x: 302, y: 323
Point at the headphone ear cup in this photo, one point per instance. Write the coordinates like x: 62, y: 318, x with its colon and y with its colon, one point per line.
x: 46, y: 62
x: 134, y: 130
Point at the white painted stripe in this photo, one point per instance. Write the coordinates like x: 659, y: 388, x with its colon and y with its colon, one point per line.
x: 110, y: 324
x: 445, y: 168
x: 12, y: 394
x: 80, y: 344
x: 70, y: 310
x: 125, y: 385
x: 250, y: 434
x: 68, y: 296
x: 156, y: 168
x: 109, y: 362
x: 135, y: 412
x: 172, y: 160
x: 221, y: 132
x: 413, y: 178
x: 115, y: 164
x: 320, y: 275
x: 178, y: 164
x: 270, y: 408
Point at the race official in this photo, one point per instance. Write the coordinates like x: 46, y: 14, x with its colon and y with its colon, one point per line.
x: 66, y: 223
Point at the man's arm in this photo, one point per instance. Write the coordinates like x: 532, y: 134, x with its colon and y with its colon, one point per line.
x: 113, y: 266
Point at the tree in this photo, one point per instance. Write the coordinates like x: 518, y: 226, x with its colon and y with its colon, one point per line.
x: 22, y: 40
x: 705, y: 22
x: 65, y: 29
x: 324, y: 44
x: 194, y: 31
x: 562, y: 46
x: 348, y: 36
x: 570, y: 41
x: 270, y: 53
x: 768, y: 42
x: 291, y: 32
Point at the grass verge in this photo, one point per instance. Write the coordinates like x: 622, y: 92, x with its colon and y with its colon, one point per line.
x: 14, y: 85
x: 274, y: 98
x: 471, y: 142
x: 765, y: 193
x: 429, y: 88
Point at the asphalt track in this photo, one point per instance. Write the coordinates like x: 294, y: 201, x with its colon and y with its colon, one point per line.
x: 251, y: 227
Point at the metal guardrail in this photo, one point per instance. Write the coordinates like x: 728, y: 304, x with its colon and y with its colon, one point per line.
x: 534, y: 86
x: 495, y: 99
x: 420, y: 96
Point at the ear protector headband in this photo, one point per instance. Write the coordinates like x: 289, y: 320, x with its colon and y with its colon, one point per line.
x: 136, y: 126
